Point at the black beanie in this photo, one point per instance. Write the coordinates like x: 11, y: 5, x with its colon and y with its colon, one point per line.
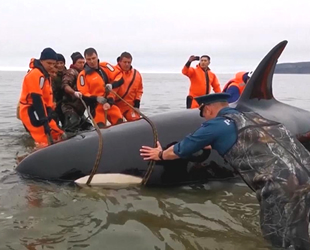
x: 61, y: 58
x: 48, y: 54
x: 76, y: 56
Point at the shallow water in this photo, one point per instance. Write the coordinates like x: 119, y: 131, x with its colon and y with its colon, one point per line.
x: 43, y: 215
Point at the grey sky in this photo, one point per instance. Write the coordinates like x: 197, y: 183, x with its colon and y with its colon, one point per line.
x: 161, y: 35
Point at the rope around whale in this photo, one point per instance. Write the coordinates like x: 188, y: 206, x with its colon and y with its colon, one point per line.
x: 155, y: 136
x: 100, y: 146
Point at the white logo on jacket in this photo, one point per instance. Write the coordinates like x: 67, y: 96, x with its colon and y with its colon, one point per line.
x: 227, y: 121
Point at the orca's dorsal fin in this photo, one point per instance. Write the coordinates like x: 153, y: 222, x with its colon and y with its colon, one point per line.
x: 260, y: 84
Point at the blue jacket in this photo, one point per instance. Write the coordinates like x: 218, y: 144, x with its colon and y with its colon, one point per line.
x: 220, y: 133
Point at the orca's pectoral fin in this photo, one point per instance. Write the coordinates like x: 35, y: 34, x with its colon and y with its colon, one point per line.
x: 112, y: 180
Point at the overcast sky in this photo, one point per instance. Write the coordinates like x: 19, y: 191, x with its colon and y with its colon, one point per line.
x: 160, y: 34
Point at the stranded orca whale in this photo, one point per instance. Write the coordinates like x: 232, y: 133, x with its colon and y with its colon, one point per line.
x: 74, y: 158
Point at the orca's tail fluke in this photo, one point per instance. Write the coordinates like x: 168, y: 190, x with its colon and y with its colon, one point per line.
x: 259, y: 86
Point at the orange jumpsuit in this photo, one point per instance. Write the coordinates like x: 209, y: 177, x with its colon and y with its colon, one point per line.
x: 131, y: 91
x: 237, y: 81
x: 91, y: 83
x: 201, y: 83
x: 36, y: 101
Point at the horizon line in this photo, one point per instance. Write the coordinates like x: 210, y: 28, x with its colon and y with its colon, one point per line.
x: 20, y: 69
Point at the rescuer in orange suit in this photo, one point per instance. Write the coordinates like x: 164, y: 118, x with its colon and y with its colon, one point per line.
x: 132, y: 89
x: 36, y: 100
x: 236, y: 85
x: 94, y: 82
x: 201, y: 78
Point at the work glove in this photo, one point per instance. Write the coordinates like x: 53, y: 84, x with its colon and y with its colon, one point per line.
x: 64, y: 136
x: 101, y: 99
x: 78, y: 94
x: 108, y: 87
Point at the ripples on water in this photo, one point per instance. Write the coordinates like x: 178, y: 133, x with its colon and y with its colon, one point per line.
x: 46, y: 215
x: 180, y: 218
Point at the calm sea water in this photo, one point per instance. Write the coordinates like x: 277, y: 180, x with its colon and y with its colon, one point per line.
x: 43, y: 215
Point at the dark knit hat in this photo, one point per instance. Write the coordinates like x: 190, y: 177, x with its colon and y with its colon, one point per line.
x: 61, y: 58
x: 48, y: 54
x: 76, y: 56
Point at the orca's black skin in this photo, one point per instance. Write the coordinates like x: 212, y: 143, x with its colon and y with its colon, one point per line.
x: 74, y: 158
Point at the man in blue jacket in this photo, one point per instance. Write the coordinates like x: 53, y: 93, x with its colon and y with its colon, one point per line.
x: 270, y: 161
x: 218, y: 131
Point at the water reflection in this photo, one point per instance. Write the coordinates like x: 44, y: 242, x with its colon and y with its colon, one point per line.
x: 199, y: 217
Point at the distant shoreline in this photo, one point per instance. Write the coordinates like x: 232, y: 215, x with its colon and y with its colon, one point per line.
x: 293, y: 68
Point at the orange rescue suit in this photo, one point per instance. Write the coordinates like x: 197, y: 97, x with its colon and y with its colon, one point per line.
x: 36, y: 101
x: 237, y: 81
x: 201, y: 83
x: 91, y: 83
x: 131, y: 91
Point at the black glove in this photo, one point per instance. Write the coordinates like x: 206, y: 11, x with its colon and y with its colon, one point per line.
x: 47, y: 129
x: 51, y: 114
x: 110, y: 101
x: 136, y: 104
